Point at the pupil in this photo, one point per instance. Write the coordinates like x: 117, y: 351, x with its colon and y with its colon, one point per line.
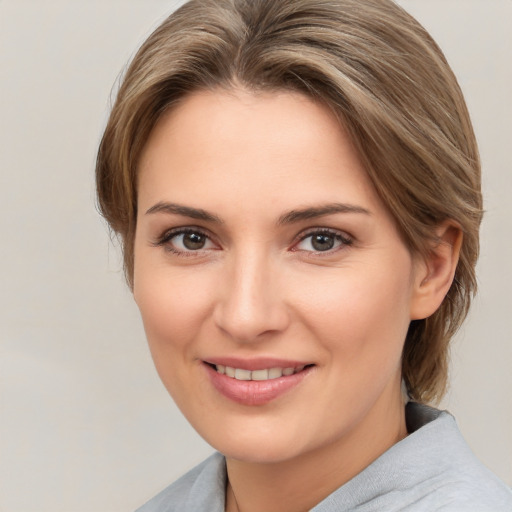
x: 193, y: 241
x: 323, y: 242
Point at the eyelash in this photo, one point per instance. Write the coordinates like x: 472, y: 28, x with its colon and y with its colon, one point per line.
x: 164, y: 241
x: 344, y: 239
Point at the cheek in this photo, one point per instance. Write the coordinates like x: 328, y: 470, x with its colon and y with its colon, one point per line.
x: 173, y: 311
x: 173, y: 306
x: 361, y: 310
x: 360, y: 319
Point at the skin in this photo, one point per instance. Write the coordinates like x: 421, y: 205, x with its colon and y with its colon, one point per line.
x: 258, y: 288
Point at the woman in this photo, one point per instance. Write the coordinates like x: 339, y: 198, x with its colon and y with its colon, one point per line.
x: 297, y: 188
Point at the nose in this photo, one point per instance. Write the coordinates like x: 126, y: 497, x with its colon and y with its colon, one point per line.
x: 251, y: 303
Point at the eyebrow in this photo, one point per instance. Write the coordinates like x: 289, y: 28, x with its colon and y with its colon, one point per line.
x: 290, y: 217
x: 186, y: 211
x: 320, y: 211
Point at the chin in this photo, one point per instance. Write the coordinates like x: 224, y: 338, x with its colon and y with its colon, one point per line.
x: 259, y: 442
x: 259, y: 452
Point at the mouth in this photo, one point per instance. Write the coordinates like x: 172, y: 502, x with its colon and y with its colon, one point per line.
x: 259, y: 383
x: 258, y: 375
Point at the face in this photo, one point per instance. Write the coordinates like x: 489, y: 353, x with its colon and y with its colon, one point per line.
x: 274, y: 287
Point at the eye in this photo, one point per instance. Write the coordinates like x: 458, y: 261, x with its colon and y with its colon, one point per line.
x: 188, y: 240
x: 323, y: 241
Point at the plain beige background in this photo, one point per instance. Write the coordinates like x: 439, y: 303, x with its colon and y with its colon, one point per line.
x: 85, y: 425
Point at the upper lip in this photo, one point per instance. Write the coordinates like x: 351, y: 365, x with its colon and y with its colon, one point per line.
x: 257, y: 363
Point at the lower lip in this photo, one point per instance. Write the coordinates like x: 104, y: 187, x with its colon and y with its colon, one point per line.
x: 254, y: 392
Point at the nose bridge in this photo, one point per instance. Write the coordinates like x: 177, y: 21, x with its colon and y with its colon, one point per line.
x: 251, y: 303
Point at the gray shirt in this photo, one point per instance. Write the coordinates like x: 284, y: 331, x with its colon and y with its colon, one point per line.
x: 431, y: 470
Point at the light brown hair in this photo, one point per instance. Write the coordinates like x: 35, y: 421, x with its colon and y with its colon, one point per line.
x: 374, y: 66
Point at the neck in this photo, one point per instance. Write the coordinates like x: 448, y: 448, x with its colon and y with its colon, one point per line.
x: 298, y: 484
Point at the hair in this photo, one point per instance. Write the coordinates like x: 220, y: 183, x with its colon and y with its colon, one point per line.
x: 374, y: 66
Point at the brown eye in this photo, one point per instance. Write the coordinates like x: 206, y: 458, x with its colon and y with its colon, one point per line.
x: 186, y: 241
x: 322, y: 242
x: 193, y: 241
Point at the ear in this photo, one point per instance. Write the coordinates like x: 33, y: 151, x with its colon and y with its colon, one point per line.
x: 434, y: 274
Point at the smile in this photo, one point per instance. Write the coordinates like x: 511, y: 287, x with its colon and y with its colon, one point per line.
x: 260, y: 382
x: 260, y: 375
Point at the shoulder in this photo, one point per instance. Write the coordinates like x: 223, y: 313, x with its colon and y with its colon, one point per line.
x: 447, y: 475
x: 204, y: 484
x: 431, y: 470
x: 468, y: 486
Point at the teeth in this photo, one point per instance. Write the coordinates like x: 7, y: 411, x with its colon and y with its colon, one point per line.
x: 267, y: 374
x: 275, y: 373
x: 242, y: 374
x: 260, y: 375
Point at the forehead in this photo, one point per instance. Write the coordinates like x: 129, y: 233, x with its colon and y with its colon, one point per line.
x: 282, y: 146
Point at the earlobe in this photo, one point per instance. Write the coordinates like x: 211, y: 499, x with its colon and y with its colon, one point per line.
x: 434, y: 275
